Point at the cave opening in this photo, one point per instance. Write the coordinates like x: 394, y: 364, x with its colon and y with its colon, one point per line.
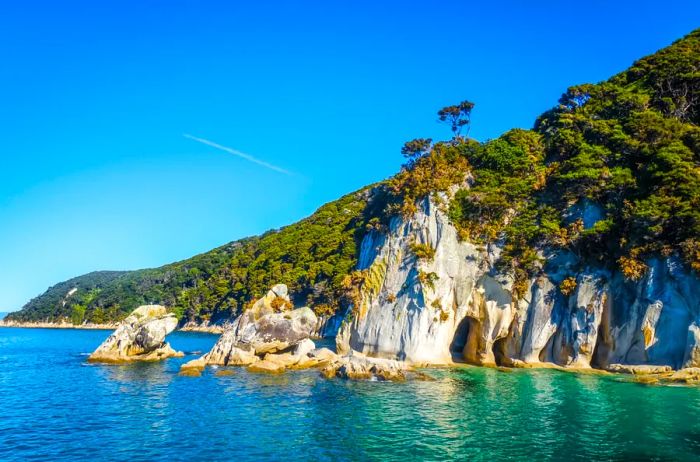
x: 499, y: 351
x: 460, y: 337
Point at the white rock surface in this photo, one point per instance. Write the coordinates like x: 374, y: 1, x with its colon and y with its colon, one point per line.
x: 141, y: 336
x: 472, y: 312
x: 260, y: 330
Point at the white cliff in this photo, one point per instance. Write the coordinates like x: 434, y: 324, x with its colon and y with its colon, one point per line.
x: 457, y: 305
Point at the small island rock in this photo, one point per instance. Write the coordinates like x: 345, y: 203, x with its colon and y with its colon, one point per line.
x: 140, y: 337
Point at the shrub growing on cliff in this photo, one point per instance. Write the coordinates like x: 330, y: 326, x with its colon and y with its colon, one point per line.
x: 443, y: 167
x: 568, y: 286
x: 324, y: 310
x: 280, y: 304
x: 424, y: 252
x: 428, y: 279
x: 631, y: 268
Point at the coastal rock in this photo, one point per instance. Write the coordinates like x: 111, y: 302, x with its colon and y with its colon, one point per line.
x: 322, y: 354
x: 692, y: 351
x: 283, y: 359
x: 303, y: 348
x: 267, y: 366
x: 270, y: 325
x: 638, y: 369
x: 405, y: 312
x: 689, y: 375
x: 455, y: 304
x: 268, y: 328
x: 140, y: 337
x: 357, y: 367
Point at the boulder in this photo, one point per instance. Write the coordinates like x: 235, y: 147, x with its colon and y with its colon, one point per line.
x: 270, y: 328
x: 322, y: 354
x: 358, y: 367
x: 304, y: 347
x: 140, y: 337
x: 284, y: 359
x: 639, y: 369
x: 689, y: 375
x: 274, y: 332
x: 267, y: 366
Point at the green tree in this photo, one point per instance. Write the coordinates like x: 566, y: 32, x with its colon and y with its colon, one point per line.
x: 457, y: 116
x: 77, y: 314
x: 416, y: 148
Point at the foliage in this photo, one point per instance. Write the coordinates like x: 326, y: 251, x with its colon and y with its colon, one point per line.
x: 77, y: 314
x: 428, y: 279
x: 324, y: 309
x: 457, y: 116
x: 423, y: 251
x: 568, y: 286
x: 629, y: 147
x: 444, y: 166
x: 280, y: 304
x: 416, y: 148
x: 632, y: 268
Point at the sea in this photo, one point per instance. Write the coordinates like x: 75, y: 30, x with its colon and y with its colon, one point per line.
x: 54, y: 405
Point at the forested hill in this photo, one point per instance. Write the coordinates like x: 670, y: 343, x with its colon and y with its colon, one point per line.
x: 627, y: 149
x: 311, y: 256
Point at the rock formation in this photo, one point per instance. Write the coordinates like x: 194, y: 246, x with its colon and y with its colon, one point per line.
x: 140, y: 337
x: 456, y: 304
x: 358, y: 367
x: 269, y: 336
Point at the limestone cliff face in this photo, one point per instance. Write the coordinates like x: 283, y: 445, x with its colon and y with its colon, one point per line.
x: 456, y: 303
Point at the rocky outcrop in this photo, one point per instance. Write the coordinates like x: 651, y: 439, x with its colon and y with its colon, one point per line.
x: 640, y: 369
x: 269, y: 331
x: 140, y: 337
x: 358, y: 367
x: 454, y: 304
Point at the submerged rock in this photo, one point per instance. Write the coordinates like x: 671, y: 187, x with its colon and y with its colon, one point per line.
x: 140, y: 337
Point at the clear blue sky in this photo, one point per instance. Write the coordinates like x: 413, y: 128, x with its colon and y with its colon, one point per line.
x: 96, y: 97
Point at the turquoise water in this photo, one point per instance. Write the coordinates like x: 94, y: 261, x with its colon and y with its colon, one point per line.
x: 53, y: 405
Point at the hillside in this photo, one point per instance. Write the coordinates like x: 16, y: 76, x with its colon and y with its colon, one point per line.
x: 311, y: 257
x: 610, y: 174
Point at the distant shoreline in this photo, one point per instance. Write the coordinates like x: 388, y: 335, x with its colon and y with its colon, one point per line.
x: 208, y: 329
x: 56, y: 325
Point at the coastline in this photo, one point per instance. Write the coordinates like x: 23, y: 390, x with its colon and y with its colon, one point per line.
x: 207, y: 329
x: 56, y: 325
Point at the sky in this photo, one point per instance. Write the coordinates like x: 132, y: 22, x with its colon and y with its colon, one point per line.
x: 137, y: 133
